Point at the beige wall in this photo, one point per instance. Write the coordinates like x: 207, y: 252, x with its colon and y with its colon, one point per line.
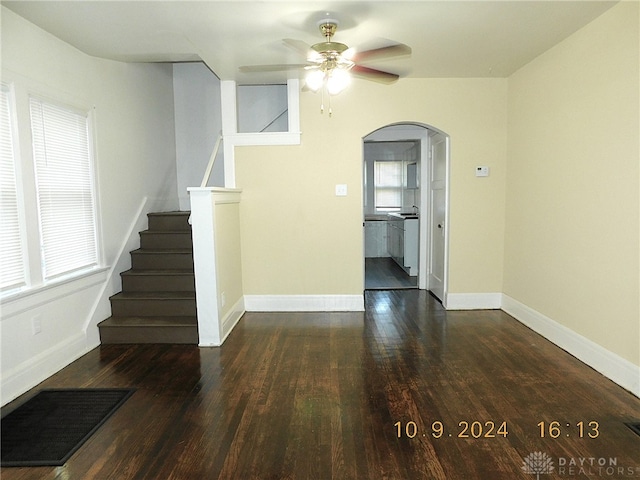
x: 228, y: 257
x: 572, y: 218
x: 299, y: 238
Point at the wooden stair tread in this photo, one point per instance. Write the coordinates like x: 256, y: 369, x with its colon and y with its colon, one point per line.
x: 168, y: 214
x: 155, y: 251
x: 154, y: 296
x: 158, y: 272
x: 149, y: 322
x: 165, y: 232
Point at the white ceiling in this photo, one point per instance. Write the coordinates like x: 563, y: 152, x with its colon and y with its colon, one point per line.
x: 449, y: 38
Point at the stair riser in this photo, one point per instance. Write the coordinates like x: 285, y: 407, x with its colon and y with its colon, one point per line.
x: 158, y: 283
x: 159, y: 241
x: 162, y: 261
x: 172, y: 335
x: 169, y: 222
x: 153, y: 307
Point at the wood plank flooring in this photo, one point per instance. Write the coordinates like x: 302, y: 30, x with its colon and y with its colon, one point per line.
x: 382, y: 273
x: 320, y: 395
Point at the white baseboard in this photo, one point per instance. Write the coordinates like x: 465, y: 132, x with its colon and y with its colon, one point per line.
x: 473, y: 301
x: 612, y: 366
x: 231, y: 319
x: 304, y: 303
x: 29, y: 374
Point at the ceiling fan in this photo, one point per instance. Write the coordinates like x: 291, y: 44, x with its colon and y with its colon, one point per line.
x: 330, y: 65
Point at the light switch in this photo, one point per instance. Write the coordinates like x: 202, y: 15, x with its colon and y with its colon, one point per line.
x: 482, y: 171
x: 341, y: 190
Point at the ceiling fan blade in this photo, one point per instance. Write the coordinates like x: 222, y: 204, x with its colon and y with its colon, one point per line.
x: 382, y: 52
x: 271, y: 68
x: 373, y: 74
x: 297, y: 45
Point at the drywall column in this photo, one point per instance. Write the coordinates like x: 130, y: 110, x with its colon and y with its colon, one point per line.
x: 204, y: 264
x: 229, y: 129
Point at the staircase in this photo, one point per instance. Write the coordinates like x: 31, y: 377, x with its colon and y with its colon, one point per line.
x: 158, y: 301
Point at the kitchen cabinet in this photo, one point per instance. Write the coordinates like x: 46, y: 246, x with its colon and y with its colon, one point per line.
x: 402, y: 238
x: 375, y: 238
x: 395, y: 239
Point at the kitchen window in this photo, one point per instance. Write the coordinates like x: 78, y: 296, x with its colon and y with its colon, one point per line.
x: 388, y: 186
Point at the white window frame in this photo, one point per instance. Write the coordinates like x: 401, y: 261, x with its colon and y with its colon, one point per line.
x: 23, y: 282
x: 376, y: 186
x: 92, y: 183
x: 37, y: 291
x: 232, y: 138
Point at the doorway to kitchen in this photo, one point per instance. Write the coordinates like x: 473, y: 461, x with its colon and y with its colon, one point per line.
x: 405, y: 208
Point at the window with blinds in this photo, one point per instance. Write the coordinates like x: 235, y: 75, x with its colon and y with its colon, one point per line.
x: 388, y: 186
x: 65, y: 188
x: 12, y: 264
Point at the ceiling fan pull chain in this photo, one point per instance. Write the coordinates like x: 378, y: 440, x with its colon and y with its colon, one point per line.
x: 330, y: 110
x: 322, y: 101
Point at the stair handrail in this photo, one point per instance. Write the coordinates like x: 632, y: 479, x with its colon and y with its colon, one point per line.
x: 212, y: 159
x: 286, y: 110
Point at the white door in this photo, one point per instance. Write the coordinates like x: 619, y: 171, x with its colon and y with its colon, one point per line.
x: 438, y: 210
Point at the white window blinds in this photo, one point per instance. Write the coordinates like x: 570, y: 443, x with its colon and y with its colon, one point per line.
x: 64, y: 183
x: 388, y: 185
x: 12, y: 262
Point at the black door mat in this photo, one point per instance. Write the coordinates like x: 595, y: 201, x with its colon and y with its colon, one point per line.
x: 47, y: 429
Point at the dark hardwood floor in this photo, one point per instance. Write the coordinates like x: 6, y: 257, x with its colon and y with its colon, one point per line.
x: 382, y: 273
x: 322, y: 395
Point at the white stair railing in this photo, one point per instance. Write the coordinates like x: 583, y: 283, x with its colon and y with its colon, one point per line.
x: 209, y: 169
x: 212, y: 160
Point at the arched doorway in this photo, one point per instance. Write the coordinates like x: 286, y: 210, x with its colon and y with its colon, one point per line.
x: 406, y: 207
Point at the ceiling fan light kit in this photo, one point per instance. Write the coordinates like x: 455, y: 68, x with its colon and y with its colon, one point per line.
x: 335, y: 81
x: 338, y: 80
x: 329, y: 69
x: 330, y: 64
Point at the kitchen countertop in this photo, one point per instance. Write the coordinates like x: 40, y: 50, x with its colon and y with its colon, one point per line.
x: 385, y: 217
x: 376, y: 218
x: 404, y: 216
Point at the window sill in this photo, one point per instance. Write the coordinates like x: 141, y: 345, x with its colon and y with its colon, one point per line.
x: 32, y: 297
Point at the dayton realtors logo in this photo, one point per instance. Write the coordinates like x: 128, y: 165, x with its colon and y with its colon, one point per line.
x: 538, y: 463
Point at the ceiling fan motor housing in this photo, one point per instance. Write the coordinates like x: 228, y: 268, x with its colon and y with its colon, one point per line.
x: 328, y: 27
x: 328, y: 49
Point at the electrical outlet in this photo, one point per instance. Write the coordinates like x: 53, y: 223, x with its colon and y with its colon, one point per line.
x: 36, y: 324
x: 341, y: 190
x: 223, y: 299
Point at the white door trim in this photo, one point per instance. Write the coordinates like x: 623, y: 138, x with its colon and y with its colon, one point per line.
x: 425, y: 164
x: 426, y: 197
